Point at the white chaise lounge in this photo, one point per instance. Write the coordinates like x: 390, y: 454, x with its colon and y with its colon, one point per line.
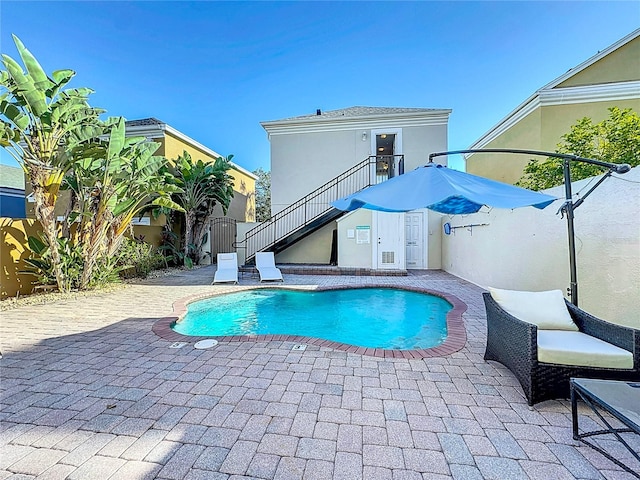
x: 227, y: 268
x: 266, y: 265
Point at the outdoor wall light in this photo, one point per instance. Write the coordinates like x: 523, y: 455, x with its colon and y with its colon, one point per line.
x: 364, y: 136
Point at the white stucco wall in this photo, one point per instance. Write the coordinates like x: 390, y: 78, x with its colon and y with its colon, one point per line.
x: 350, y: 253
x: 302, y: 162
x: 307, y: 153
x: 434, y: 240
x: 419, y: 142
x: 527, y: 248
x: 314, y: 249
x: 242, y: 229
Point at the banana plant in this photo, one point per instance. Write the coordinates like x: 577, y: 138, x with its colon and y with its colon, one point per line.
x: 113, y: 181
x: 40, y: 125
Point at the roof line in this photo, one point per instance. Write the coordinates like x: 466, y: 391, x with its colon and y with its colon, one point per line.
x: 331, y: 119
x: 530, y: 103
x: 326, y: 116
x: 164, y: 127
x: 590, y: 61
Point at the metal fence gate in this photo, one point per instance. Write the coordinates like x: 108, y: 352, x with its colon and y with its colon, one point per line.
x: 223, y: 236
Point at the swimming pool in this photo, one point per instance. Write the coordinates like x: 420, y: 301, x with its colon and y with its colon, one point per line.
x: 385, y: 318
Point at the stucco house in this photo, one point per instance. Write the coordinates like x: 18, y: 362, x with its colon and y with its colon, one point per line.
x: 323, y: 156
x: 223, y: 233
x: 12, y: 203
x: 609, y: 78
x: 172, y: 144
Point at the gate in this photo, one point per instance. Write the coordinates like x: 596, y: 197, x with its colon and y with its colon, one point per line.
x: 223, y: 236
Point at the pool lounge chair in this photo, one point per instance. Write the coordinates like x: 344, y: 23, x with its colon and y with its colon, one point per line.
x: 227, y: 268
x: 545, y: 340
x: 266, y: 265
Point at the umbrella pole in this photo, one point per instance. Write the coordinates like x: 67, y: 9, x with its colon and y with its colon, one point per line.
x: 569, y: 206
x: 568, y: 210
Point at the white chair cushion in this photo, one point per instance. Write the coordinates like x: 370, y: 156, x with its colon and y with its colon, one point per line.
x: 547, y: 309
x: 576, y: 348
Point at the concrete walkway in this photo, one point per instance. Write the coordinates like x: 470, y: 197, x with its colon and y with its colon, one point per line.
x: 88, y: 391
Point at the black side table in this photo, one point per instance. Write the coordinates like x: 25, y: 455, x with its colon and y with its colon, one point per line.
x: 619, y: 398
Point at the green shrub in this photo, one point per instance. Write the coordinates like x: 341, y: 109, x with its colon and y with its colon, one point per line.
x: 137, y: 258
x: 42, y: 267
x: 134, y: 259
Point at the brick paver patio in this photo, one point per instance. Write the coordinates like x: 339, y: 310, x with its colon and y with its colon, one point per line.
x: 88, y: 391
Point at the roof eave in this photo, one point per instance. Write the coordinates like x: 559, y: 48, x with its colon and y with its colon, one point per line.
x: 326, y: 121
x: 158, y: 130
x: 534, y: 100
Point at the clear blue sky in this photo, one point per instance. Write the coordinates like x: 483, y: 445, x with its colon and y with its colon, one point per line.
x: 215, y: 70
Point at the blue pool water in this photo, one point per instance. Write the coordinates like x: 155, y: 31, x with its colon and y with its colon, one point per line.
x: 366, y: 317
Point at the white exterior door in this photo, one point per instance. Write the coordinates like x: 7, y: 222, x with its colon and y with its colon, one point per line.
x: 389, y: 238
x: 414, y: 238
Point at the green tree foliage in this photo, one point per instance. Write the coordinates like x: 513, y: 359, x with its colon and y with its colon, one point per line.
x: 263, y: 195
x: 113, y: 181
x: 40, y: 125
x: 61, y: 143
x: 615, y: 139
x: 202, y: 187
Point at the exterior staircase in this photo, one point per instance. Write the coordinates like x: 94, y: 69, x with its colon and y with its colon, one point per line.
x: 314, y: 210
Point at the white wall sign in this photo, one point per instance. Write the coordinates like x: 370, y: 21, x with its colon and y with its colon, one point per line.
x: 141, y: 221
x: 363, y: 234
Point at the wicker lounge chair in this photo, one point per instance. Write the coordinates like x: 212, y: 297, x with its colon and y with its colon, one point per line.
x: 514, y: 343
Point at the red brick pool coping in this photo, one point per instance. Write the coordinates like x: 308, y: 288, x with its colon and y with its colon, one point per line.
x: 456, y: 333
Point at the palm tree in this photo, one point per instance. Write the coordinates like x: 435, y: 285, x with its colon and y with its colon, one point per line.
x: 203, y: 185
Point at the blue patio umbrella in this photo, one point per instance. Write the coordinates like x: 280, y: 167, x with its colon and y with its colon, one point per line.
x: 443, y: 190
x: 449, y: 191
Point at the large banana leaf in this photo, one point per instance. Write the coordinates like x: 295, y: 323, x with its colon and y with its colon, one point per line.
x: 14, y: 114
x: 166, y: 202
x: 25, y: 87
x: 116, y: 140
x: 40, y: 79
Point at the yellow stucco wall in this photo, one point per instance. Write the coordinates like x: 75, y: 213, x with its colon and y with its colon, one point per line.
x: 173, y: 147
x: 620, y: 65
x: 13, y: 252
x: 244, y: 186
x: 504, y: 167
x: 543, y: 128
x: 557, y: 120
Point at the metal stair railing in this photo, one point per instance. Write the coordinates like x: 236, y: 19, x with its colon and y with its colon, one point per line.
x: 311, y: 207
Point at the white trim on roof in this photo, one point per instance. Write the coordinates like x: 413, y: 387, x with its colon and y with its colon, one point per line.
x: 561, y: 96
x: 587, y: 63
x: 157, y: 131
x: 327, y: 124
x: 591, y: 93
x: 549, y: 95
